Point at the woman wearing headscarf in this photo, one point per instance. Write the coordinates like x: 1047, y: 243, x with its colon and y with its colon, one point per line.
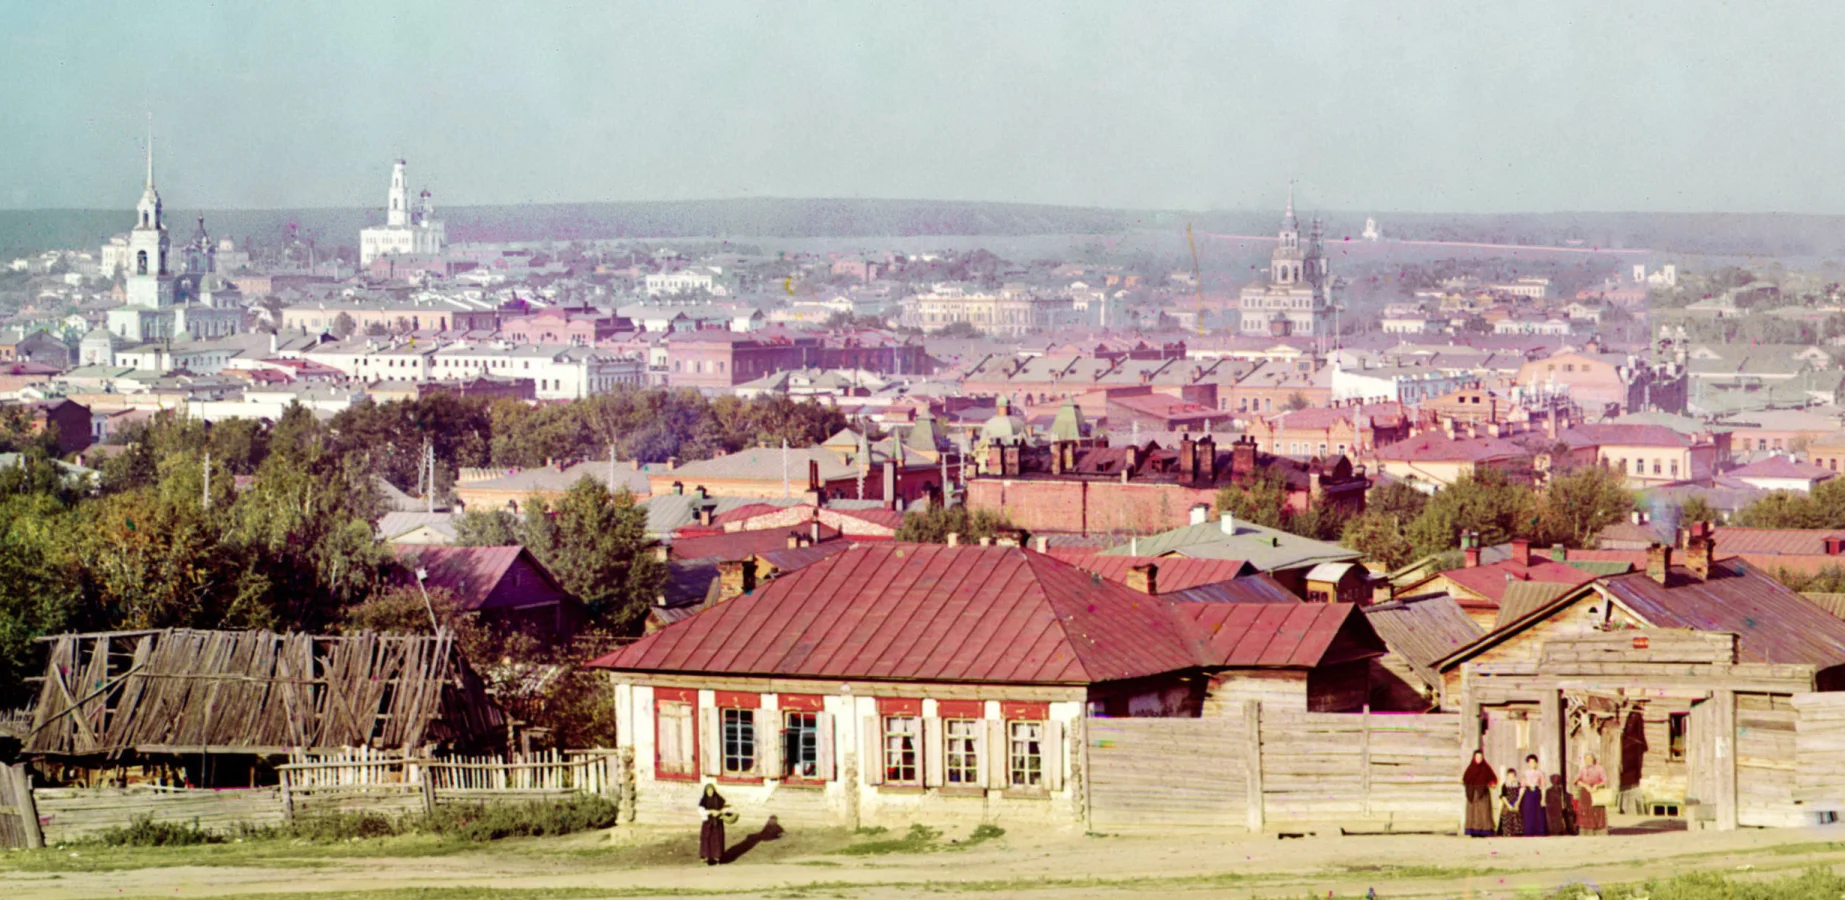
x: 1510, y: 824
x: 1531, y: 800
x: 1594, y: 818
x: 1479, y: 781
x: 1559, y: 808
x: 711, y: 832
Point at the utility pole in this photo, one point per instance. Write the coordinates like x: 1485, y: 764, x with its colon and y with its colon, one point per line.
x: 429, y: 463
x: 205, y: 502
x: 422, y: 575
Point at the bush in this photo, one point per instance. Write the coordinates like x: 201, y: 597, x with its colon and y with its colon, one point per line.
x: 491, y: 822
x: 143, y: 831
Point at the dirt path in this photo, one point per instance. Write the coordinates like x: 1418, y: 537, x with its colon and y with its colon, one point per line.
x: 1046, y: 866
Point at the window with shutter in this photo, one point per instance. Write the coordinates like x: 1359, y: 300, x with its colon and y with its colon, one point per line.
x: 902, y: 750
x: 675, y: 747
x: 961, y: 765
x: 739, y: 737
x: 801, y: 744
x: 1025, y: 754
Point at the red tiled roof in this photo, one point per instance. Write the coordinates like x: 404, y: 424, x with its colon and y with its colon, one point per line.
x: 1175, y: 574
x: 1436, y: 447
x: 1624, y: 436
x: 924, y: 612
x: 1489, y: 581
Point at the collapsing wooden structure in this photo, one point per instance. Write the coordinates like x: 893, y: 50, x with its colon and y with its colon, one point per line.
x: 110, y: 697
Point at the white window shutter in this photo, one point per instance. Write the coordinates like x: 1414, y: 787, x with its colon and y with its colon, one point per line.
x: 1052, y: 748
x: 983, y: 772
x: 935, y: 759
x: 768, y: 744
x: 824, y: 745
x: 998, y: 767
x: 872, y: 761
x: 710, y: 741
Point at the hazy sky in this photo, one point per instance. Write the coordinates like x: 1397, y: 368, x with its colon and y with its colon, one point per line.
x: 1425, y: 106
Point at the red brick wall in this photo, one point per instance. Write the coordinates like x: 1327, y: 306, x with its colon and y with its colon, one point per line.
x: 1096, y: 507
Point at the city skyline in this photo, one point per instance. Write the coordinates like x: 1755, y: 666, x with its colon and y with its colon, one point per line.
x: 1451, y: 109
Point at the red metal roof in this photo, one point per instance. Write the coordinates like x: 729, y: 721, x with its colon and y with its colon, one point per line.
x: 1489, y: 581
x: 1800, y: 541
x: 1772, y: 624
x: 1174, y: 574
x: 923, y: 612
x: 742, y: 544
x: 471, y: 573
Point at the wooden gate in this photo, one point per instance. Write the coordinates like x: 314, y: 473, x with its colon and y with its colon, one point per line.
x: 1361, y: 771
x: 18, y: 813
x: 1167, y: 773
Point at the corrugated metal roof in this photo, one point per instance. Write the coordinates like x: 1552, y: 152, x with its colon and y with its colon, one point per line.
x: 1248, y: 589
x: 471, y: 573
x: 1772, y: 624
x: 1525, y: 598
x: 743, y: 544
x: 1492, y: 581
x: 1798, y: 541
x: 1832, y: 603
x: 1276, y: 635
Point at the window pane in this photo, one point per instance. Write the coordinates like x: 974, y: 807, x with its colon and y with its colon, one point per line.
x: 739, y: 741
x: 963, y: 760
x: 1027, y: 757
x: 900, y: 750
x: 801, y: 744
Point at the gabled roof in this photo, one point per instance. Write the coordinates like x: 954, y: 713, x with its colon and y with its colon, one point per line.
x: 1438, y: 447
x: 1423, y: 629
x: 1276, y: 635
x: 1525, y: 597
x: 1624, y: 436
x: 1781, y: 467
x: 470, y: 573
x: 1772, y: 624
x: 1173, y: 574
x: 1491, y: 581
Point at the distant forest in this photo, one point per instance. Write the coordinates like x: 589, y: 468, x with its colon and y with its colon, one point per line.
x: 1765, y: 234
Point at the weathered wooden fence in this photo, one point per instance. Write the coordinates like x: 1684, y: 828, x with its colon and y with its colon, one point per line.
x: 1361, y: 771
x: 1168, y: 773
x: 1819, y: 757
x: 348, y: 781
x: 1766, y: 738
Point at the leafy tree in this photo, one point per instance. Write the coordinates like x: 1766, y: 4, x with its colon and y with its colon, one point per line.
x: 1485, y: 501
x: 39, y: 590
x: 1397, y: 500
x: 596, y: 544
x: 1261, y: 499
x: 1577, y: 505
x: 934, y: 524
x: 959, y: 330
x: 486, y: 528
x: 1379, y: 537
x: 344, y: 326
x: 1698, y: 509
x: 1297, y: 401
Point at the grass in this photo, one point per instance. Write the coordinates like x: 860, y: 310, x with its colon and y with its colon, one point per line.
x: 920, y: 839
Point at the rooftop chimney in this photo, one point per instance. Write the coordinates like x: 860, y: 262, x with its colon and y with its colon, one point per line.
x: 1144, y: 578
x: 1227, y: 522
x: 1701, y: 549
x: 735, y: 577
x: 1042, y: 543
x: 1558, y: 554
x: 954, y: 539
x: 1521, y: 551
x: 1658, y: 562
x: 1199, y: 512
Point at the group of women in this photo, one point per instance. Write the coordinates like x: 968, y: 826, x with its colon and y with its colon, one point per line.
x: 1532, y: 805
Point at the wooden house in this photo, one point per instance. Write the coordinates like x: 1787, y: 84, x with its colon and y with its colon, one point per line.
x: 213, y: 704
x: 897, y: 682
x: 504, y: 585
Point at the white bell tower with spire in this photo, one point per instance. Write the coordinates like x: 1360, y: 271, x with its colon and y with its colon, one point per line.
x: 397, y: 214
x: 150, y: 275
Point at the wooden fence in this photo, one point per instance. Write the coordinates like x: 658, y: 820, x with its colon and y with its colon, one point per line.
x: 1167, y: 773
x: 354, y: 780
x: 1819, y: 756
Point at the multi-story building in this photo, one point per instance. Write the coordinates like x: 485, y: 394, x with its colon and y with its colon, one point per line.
x: 163, y: 301
x: 1003, y: 313
x: 723, y: 359
x: 557, y: 372
x: 1296, y: 298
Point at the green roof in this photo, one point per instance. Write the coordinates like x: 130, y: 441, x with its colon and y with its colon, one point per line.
x: 1266, y: 549
x: 1601, y: 567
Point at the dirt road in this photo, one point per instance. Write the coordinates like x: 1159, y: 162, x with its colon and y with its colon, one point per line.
x: 642, y: 863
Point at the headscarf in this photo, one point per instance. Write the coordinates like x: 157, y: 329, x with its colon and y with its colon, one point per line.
x: 1479, y: 772
x: 712, y: 800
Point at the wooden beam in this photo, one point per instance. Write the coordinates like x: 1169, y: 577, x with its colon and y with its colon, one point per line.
x: 1252, y: 762
x: 1725, y: 726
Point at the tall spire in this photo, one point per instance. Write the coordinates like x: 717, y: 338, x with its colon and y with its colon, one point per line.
x: 1288, y: 221
x: 150, y: 151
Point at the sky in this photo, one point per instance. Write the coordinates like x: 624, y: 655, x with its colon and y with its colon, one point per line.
x: 1684, y: 106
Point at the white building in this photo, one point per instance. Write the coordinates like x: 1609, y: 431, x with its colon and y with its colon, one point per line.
x: 402, y: 233
x: 1404, y: 384
x: 685, y: 281
x: 1372, y: 232
x: 558, y: 372
x: 193, y: 302
x: 271, y: 402
x: 1296, y: 298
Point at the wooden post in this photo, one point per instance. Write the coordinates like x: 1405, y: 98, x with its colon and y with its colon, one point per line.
x: 26, y: 805
x: 288, y: 795
x: 1252, y: 762
x: 1724, y: 721
x: 1364, y: 758
x: 1549, y: 739
x: 427, y: 777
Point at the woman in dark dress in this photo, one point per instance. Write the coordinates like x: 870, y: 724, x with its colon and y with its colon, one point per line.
x: 1510, y: 825
x: 1531, y: 800
x: 1559, y: 808
x: 1479, y: 781
x: 711, y: 833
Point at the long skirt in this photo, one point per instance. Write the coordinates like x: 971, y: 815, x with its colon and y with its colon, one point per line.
x: 1479, y: 810
x: 1510, y: 825
x: 1594, y: 818
x: 711, y: 839
x: 1531, y: 814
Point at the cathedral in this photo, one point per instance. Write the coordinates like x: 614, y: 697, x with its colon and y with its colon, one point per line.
x: 1296, y: 297
x: 402, y: 233
x: 165, y: 302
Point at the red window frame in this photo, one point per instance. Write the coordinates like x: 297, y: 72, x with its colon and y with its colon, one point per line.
x: 1024, y: 711
x: 675, y: 695
x: 738, y: 700
x: 960, y: 709
x: 900, y: 706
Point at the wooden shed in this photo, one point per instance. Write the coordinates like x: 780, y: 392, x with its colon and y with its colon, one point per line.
x: 183, y: 696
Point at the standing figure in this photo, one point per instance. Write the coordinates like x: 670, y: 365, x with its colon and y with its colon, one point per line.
x: 1531, y: 800
x: 1592, y: 777
x: 711, y: 832
x: 1559, y: 808
x: 1479, y: 781
x: 1510, y: 823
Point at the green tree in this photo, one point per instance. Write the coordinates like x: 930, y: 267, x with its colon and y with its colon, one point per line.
x: 39, y: 589
x: 933, y: 525
x: 1297, y: 401
x: 1485, y: 501
x: 1577, y: 505
x: 1260, y: 499
x: 486, y: 528
x: 596, y: 544
x: 1379, y: 536
x: 1697, y: 508
x: 1397, y: 500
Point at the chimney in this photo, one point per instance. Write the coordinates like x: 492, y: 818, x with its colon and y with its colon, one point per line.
x: 890, y: 485
x: 1658, y: 562
x: 735, y: 577
x: 672, y: 462
x: 1188, y: 458
x: 1057, y: 457
x: 954, y: 539
x: 1243, y: 456
x: 1042, y: 543
x: 660, y: 553
x: 986, y: 541
x: 813, y: 475
x: 1144, y: 578
x: 1011, y: 460
x: 699, y: 492
x: 679, y: 488
x: 813, y: 530
x: 1207, y: 459
x: 794, y: 539
x: 1315, y: 493
x: 1383, y: 591
x: 1227, y: 523
x: 1558, y: 554
x: 1130, y: 458
x: 1701, y: 549
x: 1521, y: 551
x: 1199, y: 513
x: 703, y: 516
